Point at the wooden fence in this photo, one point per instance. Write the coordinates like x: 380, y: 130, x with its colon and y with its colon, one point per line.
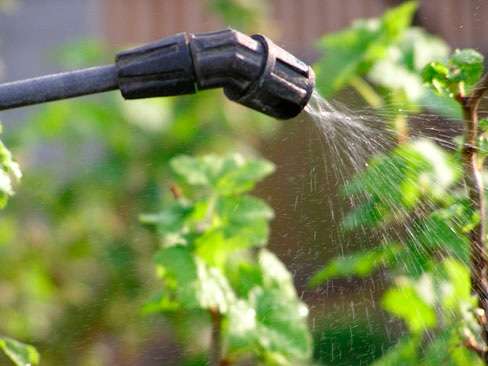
x: 297, y: 23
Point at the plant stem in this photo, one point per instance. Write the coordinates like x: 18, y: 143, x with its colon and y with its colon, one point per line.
x: 472, y: 165
x: 400, y: 126
x: 367, y: 92
x: 215, y: 355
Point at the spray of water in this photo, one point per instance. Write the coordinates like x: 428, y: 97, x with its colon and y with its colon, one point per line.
x: 348, y: 140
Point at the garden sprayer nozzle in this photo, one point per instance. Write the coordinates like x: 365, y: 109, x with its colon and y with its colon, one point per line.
x: 253, y: 71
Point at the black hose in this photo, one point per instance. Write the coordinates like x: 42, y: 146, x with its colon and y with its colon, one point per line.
x: 252, y: 70
x: 58, y: 86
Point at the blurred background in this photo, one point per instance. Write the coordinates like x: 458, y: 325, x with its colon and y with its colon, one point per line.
x: 75, y: 264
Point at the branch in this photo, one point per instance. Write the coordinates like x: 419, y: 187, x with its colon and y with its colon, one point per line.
x: 472, y: 166
x: 215, y: 355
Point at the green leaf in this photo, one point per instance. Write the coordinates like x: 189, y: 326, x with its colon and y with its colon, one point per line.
x: 456, y: 288
x: 214, y: 291
x: 412, y: 302
x: 404, y: 61
x: 440, y: 231
x: 240, y: 175
x: 244, y: 221
x: 241, y: 222
x: 359, y: 264
x: 483, y: 123
x: 196, y: 171
x: 446, y: 349
x: 190, y: 283
x: 469, y: 65
x: 463, y: 70
x: 241, y: 14
x: 9, y: 174
x: 227, y: 176
x: 171, y: 223
x: 21, y: 354
x: 394, y: 183
x: 273, y: 319
x: 281, y: 316
x: 244, y: 274
x: 437, y: 74
x: 178, y: 269
x: 354, y: 51
x: 404, y: 353
x: 281, y: 325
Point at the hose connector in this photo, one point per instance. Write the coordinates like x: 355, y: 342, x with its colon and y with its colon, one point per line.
x: 252, y: 70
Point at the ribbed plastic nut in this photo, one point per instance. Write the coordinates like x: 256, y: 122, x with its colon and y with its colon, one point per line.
x: 159, y: 69
x: 284, y: 87
x: 226, y: 58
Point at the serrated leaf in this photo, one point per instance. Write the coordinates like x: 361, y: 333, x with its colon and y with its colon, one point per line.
x: 278, y: 316
x: 178, y: 270
x: 194, y: 171
x: 172, y: 221
x: 469, y: 66
x: 21, y: 354
x: 214, y: 291
x: 191, y: 283
x: 239, y: 175
x: 353, y: 51
x: 244, y: 221
x: 281, y: 325
x: 241, y: 222
x: 462, y: 71
x: 226, y: 175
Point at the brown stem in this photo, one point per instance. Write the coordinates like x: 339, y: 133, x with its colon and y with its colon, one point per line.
x: 473, y: 179
x: 175, y: 191
x: 215, y: 354
x: 400, y: 125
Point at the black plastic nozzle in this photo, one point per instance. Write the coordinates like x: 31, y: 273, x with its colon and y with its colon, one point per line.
x: 252, y: 70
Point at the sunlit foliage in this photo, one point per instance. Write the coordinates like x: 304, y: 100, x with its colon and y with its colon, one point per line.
x: 413, y: 195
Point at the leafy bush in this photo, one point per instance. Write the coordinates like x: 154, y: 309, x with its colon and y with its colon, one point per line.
x: 213, y: 259
x: 413, y: 195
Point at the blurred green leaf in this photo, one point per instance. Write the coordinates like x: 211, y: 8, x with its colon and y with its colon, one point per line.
x: 242, y: 14
x: 239, y: 176
x: 191, y: 283
x: 395, y: 182
x: 281, y: 327
x: 462, y: 71
x: 401, y: 67
x: 359, y: 264
x: 404, y: 353
x: 412, y: 302
x: 9, y: 174
x: 437, y: 74
x: 469, y: 65
x: 21, y: 354
x: 445, y: 349
x: 354, y: 51
x: 272, y: 319
x: 212, y: 264
x: 228, y: 175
